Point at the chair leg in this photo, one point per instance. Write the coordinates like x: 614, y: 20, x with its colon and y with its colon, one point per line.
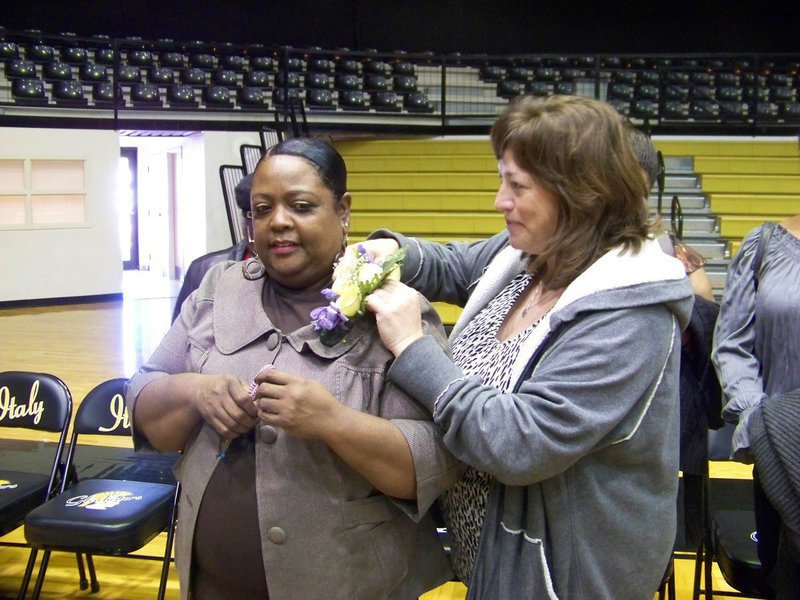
x: 162, y: 586
x: 26, y: 578
x: 698, y: 567
x: 37, y: 589
x: 83, y: 583
x: 95, y: 585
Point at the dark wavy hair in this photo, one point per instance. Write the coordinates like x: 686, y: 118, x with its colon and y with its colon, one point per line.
x: 579, y: 150
x: 327, y: 161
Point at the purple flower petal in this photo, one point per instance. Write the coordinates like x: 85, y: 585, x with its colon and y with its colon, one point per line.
x: 326, y: 317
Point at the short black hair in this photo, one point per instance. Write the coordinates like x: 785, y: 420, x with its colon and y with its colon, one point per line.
x: 321, y: 155
x: 242, y: 192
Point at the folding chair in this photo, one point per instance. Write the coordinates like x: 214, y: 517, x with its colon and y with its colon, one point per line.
x: 250, y: 154
x: 39, y: 402
x: 730, y: 540
x: 230, y: 176
x: 103, y: 516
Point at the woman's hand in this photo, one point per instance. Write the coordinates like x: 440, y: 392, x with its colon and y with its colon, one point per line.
x: 371, y: 445
x: 301, y: 407
x: 377, y: 250
x: 398, y: 314
x: 224, y: 402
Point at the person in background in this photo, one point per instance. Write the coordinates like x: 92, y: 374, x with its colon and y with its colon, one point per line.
x: 333, y: 503
x: 241, y: 251
x: 701, y: 396
x: 757, y: 357
x: 562, y: 390
x: 692, y: 260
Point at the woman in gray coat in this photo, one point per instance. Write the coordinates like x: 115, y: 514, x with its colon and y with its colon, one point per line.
x: 562, y: 392
x: 313, y: 481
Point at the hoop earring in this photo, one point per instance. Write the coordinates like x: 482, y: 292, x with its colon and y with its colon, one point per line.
x: 253, y: 268
x: 345, y: 243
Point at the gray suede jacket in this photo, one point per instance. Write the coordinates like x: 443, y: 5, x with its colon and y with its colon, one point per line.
x: 325, y: 531
x: 584, y: 451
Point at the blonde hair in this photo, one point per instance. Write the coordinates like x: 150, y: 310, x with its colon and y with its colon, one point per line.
x: 579, y: 150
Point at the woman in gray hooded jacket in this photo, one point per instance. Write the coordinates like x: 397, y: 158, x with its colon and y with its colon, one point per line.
x: 562, y: 391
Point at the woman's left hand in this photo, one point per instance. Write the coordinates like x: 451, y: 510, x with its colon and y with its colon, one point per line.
x: 301, y: 407
x: 398, y: 315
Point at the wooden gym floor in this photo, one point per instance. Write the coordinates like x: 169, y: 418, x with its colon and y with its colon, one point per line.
x: 85, y: 344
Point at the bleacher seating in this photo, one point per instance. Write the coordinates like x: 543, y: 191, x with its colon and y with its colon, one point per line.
x: 674, y: 94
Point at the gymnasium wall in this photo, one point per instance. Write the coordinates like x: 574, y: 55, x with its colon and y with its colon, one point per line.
x: 85, y: 261
x: 78, y: 261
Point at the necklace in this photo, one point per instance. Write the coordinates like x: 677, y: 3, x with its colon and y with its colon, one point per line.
x: 540, y: 298
x: 536, y: 296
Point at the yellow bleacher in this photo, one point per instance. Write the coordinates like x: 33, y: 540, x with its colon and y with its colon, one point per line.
x: 748, y: 181
x: 443, y: 189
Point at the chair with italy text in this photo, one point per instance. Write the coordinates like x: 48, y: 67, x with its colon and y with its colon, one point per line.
x: 100, y: 516
x: 38, y: 402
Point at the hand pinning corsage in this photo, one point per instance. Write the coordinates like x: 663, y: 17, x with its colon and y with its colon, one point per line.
x: 355, y: 277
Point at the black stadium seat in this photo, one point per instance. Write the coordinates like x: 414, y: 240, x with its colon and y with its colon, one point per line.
x: 353, y: 100
x: 56, y: 71
x: 20, y: 68
x: 89, y: 73
x: 193, y: 77
x: 259, y: 79
x: 128, y: 75
x: 217, y: 96
x: 181, y: 96
x: 387, y: 101
x: 225, y: 78
x: 28, y: 91
x: 160, y: 75
x: 8, y: 50
x: 145, y: 95
x: 74, y: 55
x: 103, y: 94
x: 262, y: 63
x: 417, y: 102
x: 141, y: 58
x: 69, y: 93
x: 318, y: 98
x: 40, y: 53
x: 252, y: 97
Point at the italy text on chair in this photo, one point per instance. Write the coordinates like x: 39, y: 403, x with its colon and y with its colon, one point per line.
x: 40, y: 402
x: 103, y: 516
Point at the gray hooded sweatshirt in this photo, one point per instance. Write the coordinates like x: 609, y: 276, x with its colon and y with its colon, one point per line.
x: 584, y: 451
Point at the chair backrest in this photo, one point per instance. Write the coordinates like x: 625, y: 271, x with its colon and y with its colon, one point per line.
x: 37, y: 401
x: 103, y: 411
x: 250, y: 154
x: 230, y: 176
x: 34, y: 401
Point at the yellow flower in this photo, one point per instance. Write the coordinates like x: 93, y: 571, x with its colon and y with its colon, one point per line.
x: 349, y: 300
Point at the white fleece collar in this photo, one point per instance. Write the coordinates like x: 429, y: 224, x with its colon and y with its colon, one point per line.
x: 614, y: 270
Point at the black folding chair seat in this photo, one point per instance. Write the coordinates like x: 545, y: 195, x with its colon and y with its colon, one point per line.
x: 736, y: 550
x: 102, y: 516
x: 20, y: 492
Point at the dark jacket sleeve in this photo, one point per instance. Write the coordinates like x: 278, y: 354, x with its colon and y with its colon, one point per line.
x: 199, y: 267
